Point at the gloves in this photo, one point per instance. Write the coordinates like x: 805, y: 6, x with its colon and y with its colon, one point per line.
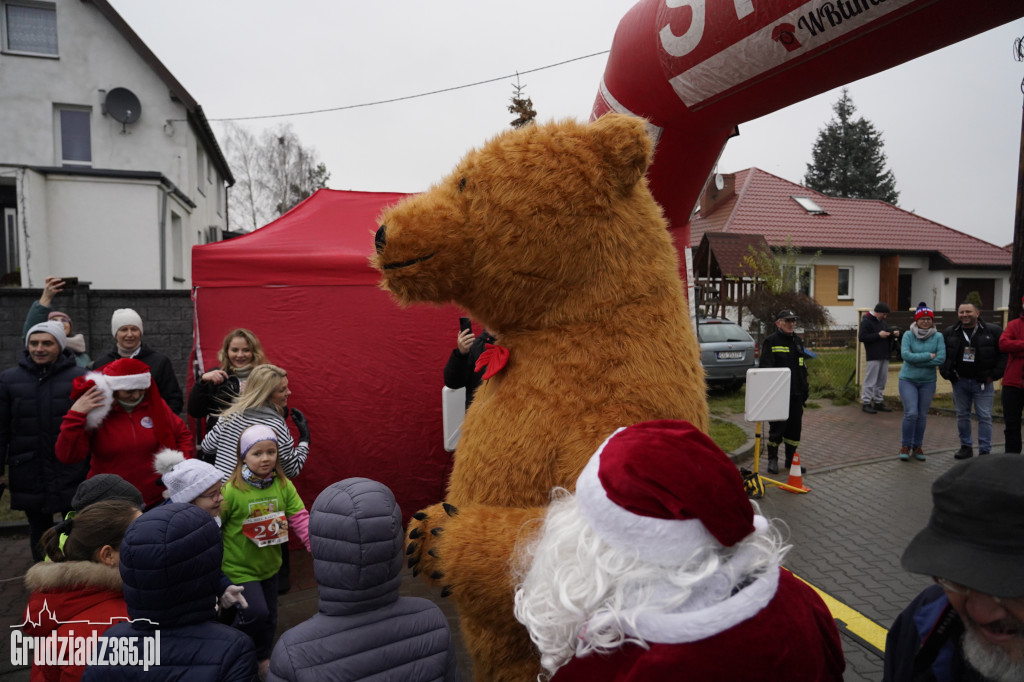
x: 232, y: 596
x: 301, y: 424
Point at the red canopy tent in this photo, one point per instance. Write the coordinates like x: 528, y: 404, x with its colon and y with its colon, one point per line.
x: 367, y: 374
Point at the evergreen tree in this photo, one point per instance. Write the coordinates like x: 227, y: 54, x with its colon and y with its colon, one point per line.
x: 521, y: 105
x: 848, y: 160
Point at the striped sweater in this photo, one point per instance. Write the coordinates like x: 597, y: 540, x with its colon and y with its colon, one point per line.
x: 222, y: 441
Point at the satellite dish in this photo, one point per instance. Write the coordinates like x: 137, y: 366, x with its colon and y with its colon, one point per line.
x: 123, y: 106
x: 719, y: 180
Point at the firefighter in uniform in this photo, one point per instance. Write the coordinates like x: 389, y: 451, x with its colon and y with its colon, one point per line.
x: 783, y: 348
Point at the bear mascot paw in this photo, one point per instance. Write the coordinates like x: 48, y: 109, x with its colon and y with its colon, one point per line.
x: 549, y: 236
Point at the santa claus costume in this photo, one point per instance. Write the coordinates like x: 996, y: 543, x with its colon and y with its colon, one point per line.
x: 659, y: 568
x: 122, y: 438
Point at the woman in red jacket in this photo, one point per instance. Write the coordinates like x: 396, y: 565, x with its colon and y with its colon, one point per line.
x: 120, y: 422
x: 80, y: 589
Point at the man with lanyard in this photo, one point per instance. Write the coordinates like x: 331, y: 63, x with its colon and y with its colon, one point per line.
x: 973, y: 364
x: 783, y: 348
x: 970, y: 624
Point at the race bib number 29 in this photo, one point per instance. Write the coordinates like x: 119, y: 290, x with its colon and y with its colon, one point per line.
x: 269, y: 529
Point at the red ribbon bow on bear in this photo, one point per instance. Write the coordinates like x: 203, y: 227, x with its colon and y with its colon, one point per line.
x: 494, y: 359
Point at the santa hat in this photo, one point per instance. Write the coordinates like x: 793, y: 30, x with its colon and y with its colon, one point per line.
x: 664, y: 490
x: 923, y: 311
x: 122, y: 317
x: 185, y: 479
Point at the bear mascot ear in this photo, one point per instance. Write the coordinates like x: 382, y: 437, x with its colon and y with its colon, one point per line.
x: 625, y: 146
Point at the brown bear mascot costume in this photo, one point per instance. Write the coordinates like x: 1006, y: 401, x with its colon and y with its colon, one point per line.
x: 550, y: 237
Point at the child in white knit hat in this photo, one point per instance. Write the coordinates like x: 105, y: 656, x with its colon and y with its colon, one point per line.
x: 192, y: 481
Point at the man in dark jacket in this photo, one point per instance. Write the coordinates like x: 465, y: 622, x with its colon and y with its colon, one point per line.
x: 34, y: 397
x: 784, y: 348
x: 170, y: 569
x: 877, y: 338
x: 973, y: 364
x: 357, y: 541
x: 970, y: 625
x: 126, y: 326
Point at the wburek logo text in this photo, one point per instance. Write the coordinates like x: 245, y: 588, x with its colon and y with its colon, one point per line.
x: 81, y: 650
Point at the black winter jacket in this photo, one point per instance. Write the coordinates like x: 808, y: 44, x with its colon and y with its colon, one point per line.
x: 989, y: 363
x: 33, y: 402
x: 787, y: 350
x: 161, y: 370
x: 208, y: 400
x: 875, y: 347
x: 364, y: 629
x: 170, y: 569
x: 460, y: 372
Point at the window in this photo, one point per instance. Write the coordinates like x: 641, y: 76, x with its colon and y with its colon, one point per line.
x: 75, y: 136
x: 809, y: 205
x: 803, y: 277
x: 30, y: 27
x: 844, y: 287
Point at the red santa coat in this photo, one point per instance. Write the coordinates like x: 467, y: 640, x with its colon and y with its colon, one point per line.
x: 792, y: 639
x: 125, y: 444
x: 66, y: 591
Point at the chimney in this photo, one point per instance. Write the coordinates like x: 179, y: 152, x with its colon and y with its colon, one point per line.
x: 719, y: 189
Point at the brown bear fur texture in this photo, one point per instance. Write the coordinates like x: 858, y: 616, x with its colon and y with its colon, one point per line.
x: 550, y: 237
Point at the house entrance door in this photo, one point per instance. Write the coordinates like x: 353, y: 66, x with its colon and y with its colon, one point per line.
x: 985, y: 287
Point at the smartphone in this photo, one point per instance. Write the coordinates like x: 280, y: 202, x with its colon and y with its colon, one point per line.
x: 465, y: 324
x: 70, y: 281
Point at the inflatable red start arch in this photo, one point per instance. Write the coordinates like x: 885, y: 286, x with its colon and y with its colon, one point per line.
x: 698, y: 68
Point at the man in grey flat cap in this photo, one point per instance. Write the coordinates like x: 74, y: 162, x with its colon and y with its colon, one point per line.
x: 970, y: 624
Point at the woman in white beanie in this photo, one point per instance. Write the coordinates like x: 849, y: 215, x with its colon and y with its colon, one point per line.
x: 126, y: 328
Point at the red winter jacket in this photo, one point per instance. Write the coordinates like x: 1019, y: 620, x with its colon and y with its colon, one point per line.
x: 124, y: 444
x: 82, y: 591
x: 1011, y: 342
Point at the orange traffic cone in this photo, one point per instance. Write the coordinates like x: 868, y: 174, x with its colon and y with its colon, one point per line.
x: 796, y: 478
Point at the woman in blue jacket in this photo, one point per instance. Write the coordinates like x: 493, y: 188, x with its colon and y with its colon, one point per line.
x: 923, y: 351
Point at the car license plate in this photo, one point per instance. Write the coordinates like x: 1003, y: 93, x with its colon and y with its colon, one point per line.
x: 729, y: 355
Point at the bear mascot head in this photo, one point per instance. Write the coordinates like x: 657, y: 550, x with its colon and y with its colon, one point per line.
x: 549, y: 236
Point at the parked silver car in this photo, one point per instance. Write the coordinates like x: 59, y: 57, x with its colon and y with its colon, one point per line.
x: 726, y: 351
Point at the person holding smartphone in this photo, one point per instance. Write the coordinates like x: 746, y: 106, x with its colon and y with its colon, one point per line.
x: 42, y: 310
x: 460, y: 372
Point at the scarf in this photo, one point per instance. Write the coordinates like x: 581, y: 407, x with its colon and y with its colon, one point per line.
x: 922, y: 334
x: 77, y: 344
x: 129, y: 406
x: 255, y: 481
x: 128, y: 353
x: 242, y: 372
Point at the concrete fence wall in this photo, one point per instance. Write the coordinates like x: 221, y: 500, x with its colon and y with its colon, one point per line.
x: 166, y: 320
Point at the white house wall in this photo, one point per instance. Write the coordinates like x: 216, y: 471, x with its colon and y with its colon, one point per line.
x: 94, y: 59
x: 112, y: 249
x: 866, y: 274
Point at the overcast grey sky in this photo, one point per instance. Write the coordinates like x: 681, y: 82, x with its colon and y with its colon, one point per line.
x: 951, y: 120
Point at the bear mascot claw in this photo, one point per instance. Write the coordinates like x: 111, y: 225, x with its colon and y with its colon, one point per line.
x: 550, y: 237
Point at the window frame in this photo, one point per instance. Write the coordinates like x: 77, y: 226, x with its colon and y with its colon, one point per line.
x: 58, y: 135
x: 849, y: 283
x: 5, y: 38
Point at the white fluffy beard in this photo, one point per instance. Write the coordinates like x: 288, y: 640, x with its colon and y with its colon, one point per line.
x: 992, y: 661
x: 577, y: 595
